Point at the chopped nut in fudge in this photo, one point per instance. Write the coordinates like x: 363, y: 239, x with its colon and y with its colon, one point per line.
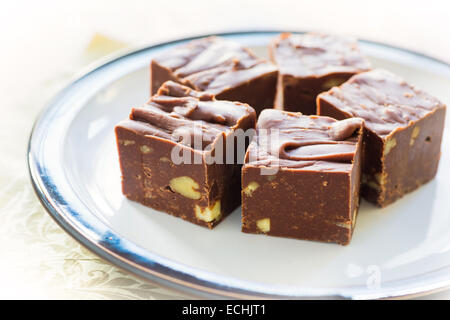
x: 310, y: 64
x: 403, y: 131
x: 173, y: 153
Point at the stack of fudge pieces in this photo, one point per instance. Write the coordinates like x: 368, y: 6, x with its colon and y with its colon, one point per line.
x: 316, y: 127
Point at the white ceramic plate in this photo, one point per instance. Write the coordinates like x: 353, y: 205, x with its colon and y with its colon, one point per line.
x: 401, y: 250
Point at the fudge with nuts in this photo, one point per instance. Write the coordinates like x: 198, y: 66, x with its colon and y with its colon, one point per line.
x: 310, y: 64
x: 178, y: 153
x: 219, y: 66
x: 301, y: 177
x: 403, y: 131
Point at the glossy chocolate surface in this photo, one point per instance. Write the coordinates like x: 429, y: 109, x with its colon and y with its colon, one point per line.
x: 384, y: 100
x: 213, y: 64
x: 403, y: 131
x: 314, y: 193
x: 218, y: 66
x: 316, y: 55
x: 307, y: 142
x: 312, y: 63
x: 180, y: 111
x: 198, y: 186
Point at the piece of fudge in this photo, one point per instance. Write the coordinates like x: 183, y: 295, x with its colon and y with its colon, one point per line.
x: 173, y: 153
x: 403, y: 131
x: 301, y: 177
x: 310, y: 64
x: 221, y: 67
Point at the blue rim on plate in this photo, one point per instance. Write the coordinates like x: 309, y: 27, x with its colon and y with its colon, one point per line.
x: 76, y: 219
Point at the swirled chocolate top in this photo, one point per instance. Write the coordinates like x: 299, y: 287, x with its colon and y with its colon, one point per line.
x: 192, y: 118
x: 213, y: 64
x: 384, y: 100
x: 293, y: 140
x: 317, y: 55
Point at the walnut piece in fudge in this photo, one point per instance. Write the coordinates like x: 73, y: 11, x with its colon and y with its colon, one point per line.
x: 403, y: 131
x: 172, y: 153
x: 221, y: 67
x: 310, y: 64
x: 301, y: 177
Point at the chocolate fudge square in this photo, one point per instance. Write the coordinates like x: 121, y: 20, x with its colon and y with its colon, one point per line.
x: 221, y: 67
x: 403, y: 131
x: 301, y: 177
x: 310, y: 64
x: 172, y: 153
